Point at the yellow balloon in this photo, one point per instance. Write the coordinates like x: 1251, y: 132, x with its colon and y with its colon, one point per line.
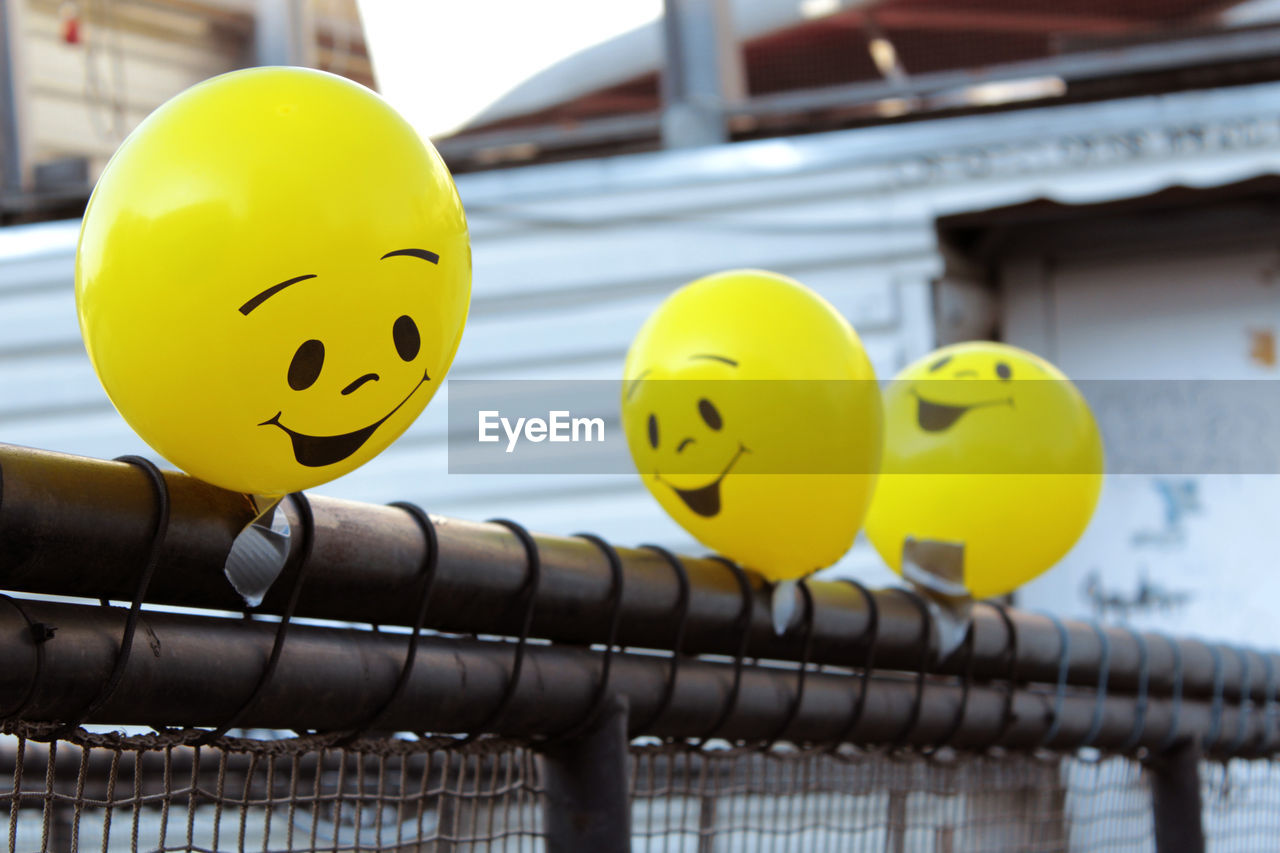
x: 753, y: 416
x: 272, y: 278
x: 989, y: 446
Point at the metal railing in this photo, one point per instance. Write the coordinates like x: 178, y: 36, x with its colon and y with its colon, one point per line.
x: 569, y: 645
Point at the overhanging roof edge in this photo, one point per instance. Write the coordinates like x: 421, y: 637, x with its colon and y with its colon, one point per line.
x: 869, y: 147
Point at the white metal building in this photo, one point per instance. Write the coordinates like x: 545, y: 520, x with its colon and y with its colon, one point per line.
x: 1054, y: 228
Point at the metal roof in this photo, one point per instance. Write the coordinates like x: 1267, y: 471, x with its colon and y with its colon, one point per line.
x: 825, y: 70
x: 927, y: 35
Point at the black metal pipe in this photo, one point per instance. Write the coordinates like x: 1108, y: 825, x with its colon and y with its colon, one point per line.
x: 76, y: 526
x: 1175, y: 799
x: 194, y: 670
x: 588, y: 802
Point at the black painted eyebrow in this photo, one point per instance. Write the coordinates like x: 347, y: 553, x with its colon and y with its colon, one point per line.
x: 635, y: 383
x: 271, y: 291
x: 940, y: 363
x: 413, y: 253
x: 721, y: 358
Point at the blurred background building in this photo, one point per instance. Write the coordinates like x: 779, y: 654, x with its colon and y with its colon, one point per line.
x: 1097, y: 182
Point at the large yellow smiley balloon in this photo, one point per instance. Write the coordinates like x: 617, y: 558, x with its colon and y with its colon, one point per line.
x: 991, y: 447
x: 753, y: 416
x: 272, y: 278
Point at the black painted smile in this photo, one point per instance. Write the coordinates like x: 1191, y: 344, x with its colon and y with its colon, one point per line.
x: 317, y: 451
x: 705, y: 500
x: 936, y: 417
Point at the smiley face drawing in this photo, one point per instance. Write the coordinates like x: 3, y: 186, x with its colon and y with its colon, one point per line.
x: 989, y: 446
x: 752, y: 414
x: 272, y: 278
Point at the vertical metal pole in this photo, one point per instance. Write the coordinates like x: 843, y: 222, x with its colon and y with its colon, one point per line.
x: 449, y: 805
x: 588, y: 806
x: 703, y: 72
x: 1175, y: 799
x: 1051, y: 832
x: 707, y: 824
x: 896, y: 818
x: 285, y: 33
x: 12, y: 166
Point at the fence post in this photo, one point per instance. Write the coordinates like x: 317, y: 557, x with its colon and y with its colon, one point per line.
x: 707, y: 807
x: 588, y: 805
x: 1175, y: 798
x: 896, y: 821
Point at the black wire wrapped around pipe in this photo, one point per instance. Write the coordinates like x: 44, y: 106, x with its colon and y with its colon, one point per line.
x: 76, y: 526
x: 194, y: 670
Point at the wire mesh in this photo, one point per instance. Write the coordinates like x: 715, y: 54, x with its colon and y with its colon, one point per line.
x: 153, y: 793
x: 1107, y: 804
x: 1241, y: 805
x: 746, y: 800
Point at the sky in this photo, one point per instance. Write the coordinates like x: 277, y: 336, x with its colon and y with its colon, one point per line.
x: 441, y: 63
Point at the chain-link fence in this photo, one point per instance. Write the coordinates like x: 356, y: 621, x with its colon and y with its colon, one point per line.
x: 154, y: 793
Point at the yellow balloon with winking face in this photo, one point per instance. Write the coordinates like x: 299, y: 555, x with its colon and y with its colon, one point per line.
x: 989, y: 447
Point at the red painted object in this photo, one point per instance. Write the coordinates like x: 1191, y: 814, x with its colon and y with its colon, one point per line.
x: 71, y: 25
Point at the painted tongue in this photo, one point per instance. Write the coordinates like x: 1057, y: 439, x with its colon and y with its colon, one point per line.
x: 704, y: 501
x: 935, y: 417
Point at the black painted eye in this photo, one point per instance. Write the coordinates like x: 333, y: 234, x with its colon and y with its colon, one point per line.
x: 653, y: 431
x: 405, y: 334
x: 1003, y: 370
x: 709, y: 414
x: 304, y: 370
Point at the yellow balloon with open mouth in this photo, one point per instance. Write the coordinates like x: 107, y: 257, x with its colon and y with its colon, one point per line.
x: 272, y: 278
x: 753, y: 416
x: 989, y: 447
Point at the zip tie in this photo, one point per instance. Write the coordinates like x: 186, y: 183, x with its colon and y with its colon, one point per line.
x: 1011, y: 674
x: 1268, y: 704
x: 1104, y: 673
x: 868, y: 638
x: 1176, y: 713
x: 1215, y: 719
x: 1060, y: 693
x: 427, y: 574
x: 158, y: 533
x: 926, y: 656
x: 529, y: 593
x: 40, y: 634
x: 682, y: 618
x: 615, y: 617
x: 794, y: 707
x: 1246, y: 701
x: 744, y: 634
x: 966, y: 677
x: 308, y: 531
x: 1140, y: 704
